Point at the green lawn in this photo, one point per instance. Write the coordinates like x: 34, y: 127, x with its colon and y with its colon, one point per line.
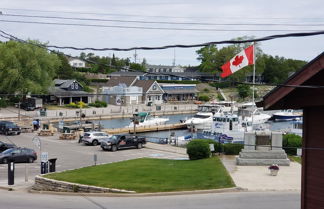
x: 152, y: 175
x: 295, y: 158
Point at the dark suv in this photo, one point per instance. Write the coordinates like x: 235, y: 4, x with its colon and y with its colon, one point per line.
x: 8, y: 128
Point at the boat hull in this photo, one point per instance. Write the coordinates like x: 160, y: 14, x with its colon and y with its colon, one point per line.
x: 286, y: 117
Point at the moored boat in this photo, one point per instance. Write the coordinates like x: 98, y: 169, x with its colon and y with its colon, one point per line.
x: 145, y: 119
x: 286, y: 115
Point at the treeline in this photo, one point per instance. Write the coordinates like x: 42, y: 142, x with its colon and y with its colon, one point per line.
x: 274, y: 69
x: 105, y: 64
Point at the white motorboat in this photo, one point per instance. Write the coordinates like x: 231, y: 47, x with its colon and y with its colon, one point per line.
x: 145, y: 119
x: 204, y: 117
x: 202, y: 120
x: 256, y: 118
x: 286, y: 115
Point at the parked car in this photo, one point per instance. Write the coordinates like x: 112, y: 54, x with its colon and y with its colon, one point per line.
x: 93, y: 137
x: 19, y: 155
x: 5, y: 146
x: 8, y: 128
x: 116, y: 142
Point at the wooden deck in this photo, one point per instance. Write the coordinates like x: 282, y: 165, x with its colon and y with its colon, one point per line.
x: 142, y: 129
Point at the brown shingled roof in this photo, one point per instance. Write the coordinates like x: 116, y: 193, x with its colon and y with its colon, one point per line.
x: 115, y: 81
x: 145, y: 84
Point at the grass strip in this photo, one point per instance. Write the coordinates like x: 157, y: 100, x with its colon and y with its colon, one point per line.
x: 152, y: 175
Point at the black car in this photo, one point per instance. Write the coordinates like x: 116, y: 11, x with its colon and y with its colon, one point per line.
x: 8, y: 128
x: 19, y: 155
x: 116, y: 142
x: 5, y: 146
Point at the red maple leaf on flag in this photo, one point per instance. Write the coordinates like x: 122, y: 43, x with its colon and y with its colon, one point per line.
x: 238, y: 60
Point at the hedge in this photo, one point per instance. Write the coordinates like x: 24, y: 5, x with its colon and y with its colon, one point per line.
x: 98, y: 103
x: 232, y: 149
x: 198, y: 149
x: 227, y: 149
x: 291, y: 142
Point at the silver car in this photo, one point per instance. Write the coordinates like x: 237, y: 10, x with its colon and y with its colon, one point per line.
x: 94, y: 137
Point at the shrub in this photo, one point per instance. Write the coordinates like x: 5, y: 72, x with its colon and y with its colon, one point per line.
x: 291, y: 142
x: 203, y: 98
x: 72, y: 105
x: 77, y: 105
x: 3, y: 103
x: 81, y: 104
x: 98, y: 103
x: 232, y: 149
x: 244, y: 90
x: 206, y: 90
x: 198, y: 149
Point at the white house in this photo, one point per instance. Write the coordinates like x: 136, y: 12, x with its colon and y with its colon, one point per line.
x: 122, y: 95
x: 77, y: 63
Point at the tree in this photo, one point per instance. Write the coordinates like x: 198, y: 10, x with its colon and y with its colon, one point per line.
x: 64, y: 71
x: 213, y: 58
x: 26, y: 68
x: 244, y: 90
x: 277, y: 69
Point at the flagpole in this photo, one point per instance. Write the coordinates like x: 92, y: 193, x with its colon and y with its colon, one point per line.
x: 253, y: 73
x: 253, y: 82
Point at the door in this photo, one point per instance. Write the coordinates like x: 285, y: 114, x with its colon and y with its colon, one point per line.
x: 130, y: 141
x: 122, y: 142
x: 17, y: 156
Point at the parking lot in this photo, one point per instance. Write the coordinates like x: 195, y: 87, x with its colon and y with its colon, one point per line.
x: 70, y: 155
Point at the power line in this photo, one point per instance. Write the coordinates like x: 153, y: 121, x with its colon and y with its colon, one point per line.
x: 150, y: 28
x: 164, y: 22
x: 163, y: 16
x: 266, y: 38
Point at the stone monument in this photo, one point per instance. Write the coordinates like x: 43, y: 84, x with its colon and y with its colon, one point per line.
x: 262, y: 148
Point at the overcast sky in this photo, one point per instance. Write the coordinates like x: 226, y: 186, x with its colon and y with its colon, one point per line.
x: 287, y: 15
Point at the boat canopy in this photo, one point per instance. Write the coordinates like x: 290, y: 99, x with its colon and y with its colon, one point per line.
x: 141, y: 116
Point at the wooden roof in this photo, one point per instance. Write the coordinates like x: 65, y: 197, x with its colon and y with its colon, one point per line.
x: 284, y: 97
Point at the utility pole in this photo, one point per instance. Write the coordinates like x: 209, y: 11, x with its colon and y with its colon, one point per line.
x: 135, y: 56
x: 174, y: 58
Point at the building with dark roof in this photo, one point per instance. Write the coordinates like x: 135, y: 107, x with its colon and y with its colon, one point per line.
x: 67, y: 91
x: 178, y: 92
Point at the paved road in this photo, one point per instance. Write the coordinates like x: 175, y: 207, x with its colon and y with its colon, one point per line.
x: 71, y: 155
x: 239, y: 200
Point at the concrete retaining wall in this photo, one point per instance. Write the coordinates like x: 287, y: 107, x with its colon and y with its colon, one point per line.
x: 45, y: 184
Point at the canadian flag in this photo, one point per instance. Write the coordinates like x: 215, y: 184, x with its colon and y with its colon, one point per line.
x: 239, y: 61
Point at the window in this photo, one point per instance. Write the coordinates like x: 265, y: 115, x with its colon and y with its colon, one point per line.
x: 72, y: 86
x: 76, y: 86
x: 149, y: 98
x: 157, y: 97
x: 154, y: 87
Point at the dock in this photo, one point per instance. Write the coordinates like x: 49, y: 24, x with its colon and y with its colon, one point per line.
x: 142, y: 129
